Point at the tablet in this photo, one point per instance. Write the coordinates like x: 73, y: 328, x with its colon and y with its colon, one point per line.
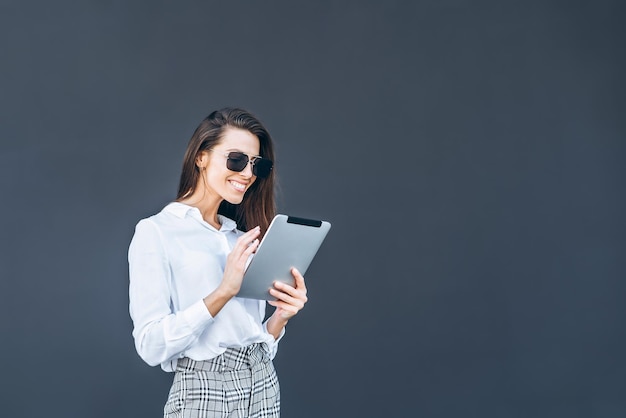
x: 289, y: 242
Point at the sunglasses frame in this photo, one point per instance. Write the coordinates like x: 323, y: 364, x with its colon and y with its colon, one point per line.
x: 250, y: 160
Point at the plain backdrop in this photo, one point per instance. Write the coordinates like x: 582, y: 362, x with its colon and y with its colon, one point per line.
x: 469, y: 154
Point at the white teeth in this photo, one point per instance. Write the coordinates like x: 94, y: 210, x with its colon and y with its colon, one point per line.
x: 238, y: 186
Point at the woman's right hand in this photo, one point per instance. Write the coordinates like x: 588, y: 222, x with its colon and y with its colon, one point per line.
x: 236, y: 261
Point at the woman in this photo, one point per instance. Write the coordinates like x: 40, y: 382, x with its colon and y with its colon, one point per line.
x: 186, y: 266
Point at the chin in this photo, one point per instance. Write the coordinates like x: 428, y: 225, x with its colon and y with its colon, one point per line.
x: 234, y: 200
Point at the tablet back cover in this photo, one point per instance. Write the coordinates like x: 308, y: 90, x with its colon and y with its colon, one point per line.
x: 289, y: 242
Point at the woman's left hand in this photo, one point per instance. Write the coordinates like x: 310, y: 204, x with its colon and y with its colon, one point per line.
x: 290, y: 299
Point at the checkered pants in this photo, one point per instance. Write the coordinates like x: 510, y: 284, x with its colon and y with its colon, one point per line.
x: 240, y: 383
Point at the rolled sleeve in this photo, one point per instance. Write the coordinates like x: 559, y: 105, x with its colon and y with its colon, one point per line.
x: 273, y: 343
x: 197, y: 316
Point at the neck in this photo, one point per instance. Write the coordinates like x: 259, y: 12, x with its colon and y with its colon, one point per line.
x: 206, y: 204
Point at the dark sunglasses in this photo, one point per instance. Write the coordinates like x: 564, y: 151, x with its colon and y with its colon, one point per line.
x: 238, y: 161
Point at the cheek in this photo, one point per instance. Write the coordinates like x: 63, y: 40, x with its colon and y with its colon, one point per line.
x: 254, y: 180
x: 212, y: 180
x: 215, y: 174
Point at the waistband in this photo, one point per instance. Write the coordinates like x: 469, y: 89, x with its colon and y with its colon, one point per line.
x: 237, y: 358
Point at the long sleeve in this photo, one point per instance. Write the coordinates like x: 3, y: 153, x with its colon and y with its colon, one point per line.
x: 175, y: 260
x: 160, y: 334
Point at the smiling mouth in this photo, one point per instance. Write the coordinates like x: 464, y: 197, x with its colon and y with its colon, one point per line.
x: 238, y: 186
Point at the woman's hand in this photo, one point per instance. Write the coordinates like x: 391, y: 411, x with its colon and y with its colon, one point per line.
x: 236, y: 261
x: 233, y: 271
x: 290, y: 300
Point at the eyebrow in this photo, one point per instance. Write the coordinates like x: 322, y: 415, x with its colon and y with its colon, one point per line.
x: 238, y: 150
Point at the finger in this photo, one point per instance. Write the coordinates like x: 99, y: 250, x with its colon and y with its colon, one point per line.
x: 283, y: 305
x: 296, y: 299
x: 300, y: 285
x: 251, y: 248
x: 285, y: 288
x: 295, y: 293
x: 282, y: 296
x: 249, y: 236
x: 244, y: 241
x: 286, y: 308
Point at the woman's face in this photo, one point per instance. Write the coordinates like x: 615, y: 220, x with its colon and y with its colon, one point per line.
x: 221, y: 182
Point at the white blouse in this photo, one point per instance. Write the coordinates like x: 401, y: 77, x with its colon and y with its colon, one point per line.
x: 175, y: 260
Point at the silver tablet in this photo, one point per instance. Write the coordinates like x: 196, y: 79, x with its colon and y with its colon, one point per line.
x: 289, y: 242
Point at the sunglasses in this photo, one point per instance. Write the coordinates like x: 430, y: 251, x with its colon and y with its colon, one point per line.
x: 238, y: 161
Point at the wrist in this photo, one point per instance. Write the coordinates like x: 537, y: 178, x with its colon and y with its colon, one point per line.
x: 216, y: 300
x: 275, y: 325
x: 278, y: 321
x: 225, y: 291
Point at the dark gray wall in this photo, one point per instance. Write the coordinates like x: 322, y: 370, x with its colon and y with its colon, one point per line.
x: 470, y: 156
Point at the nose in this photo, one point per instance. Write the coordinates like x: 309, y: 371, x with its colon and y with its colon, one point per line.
x: 247, y: 172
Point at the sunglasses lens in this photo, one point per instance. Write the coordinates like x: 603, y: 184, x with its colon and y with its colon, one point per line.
x: 237, y: 161
x: 262, y: 167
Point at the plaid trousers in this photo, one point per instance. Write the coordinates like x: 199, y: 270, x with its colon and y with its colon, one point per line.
x: 240, y: 383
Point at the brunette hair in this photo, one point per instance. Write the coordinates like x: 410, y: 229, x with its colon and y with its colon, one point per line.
x: 258, y: 206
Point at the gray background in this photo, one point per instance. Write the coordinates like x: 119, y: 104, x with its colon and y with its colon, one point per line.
x: 470, y: 156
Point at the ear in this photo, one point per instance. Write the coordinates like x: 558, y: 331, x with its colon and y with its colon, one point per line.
x: 202, y: 159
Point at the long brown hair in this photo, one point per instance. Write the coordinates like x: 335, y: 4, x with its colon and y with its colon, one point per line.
x: 258, y: 206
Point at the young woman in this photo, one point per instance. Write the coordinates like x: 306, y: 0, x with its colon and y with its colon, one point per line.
x: 186, y: 266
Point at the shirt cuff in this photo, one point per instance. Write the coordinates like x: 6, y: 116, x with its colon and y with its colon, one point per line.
x: 273, y: 343
x: 280, y: 336
x: 197, y: 316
